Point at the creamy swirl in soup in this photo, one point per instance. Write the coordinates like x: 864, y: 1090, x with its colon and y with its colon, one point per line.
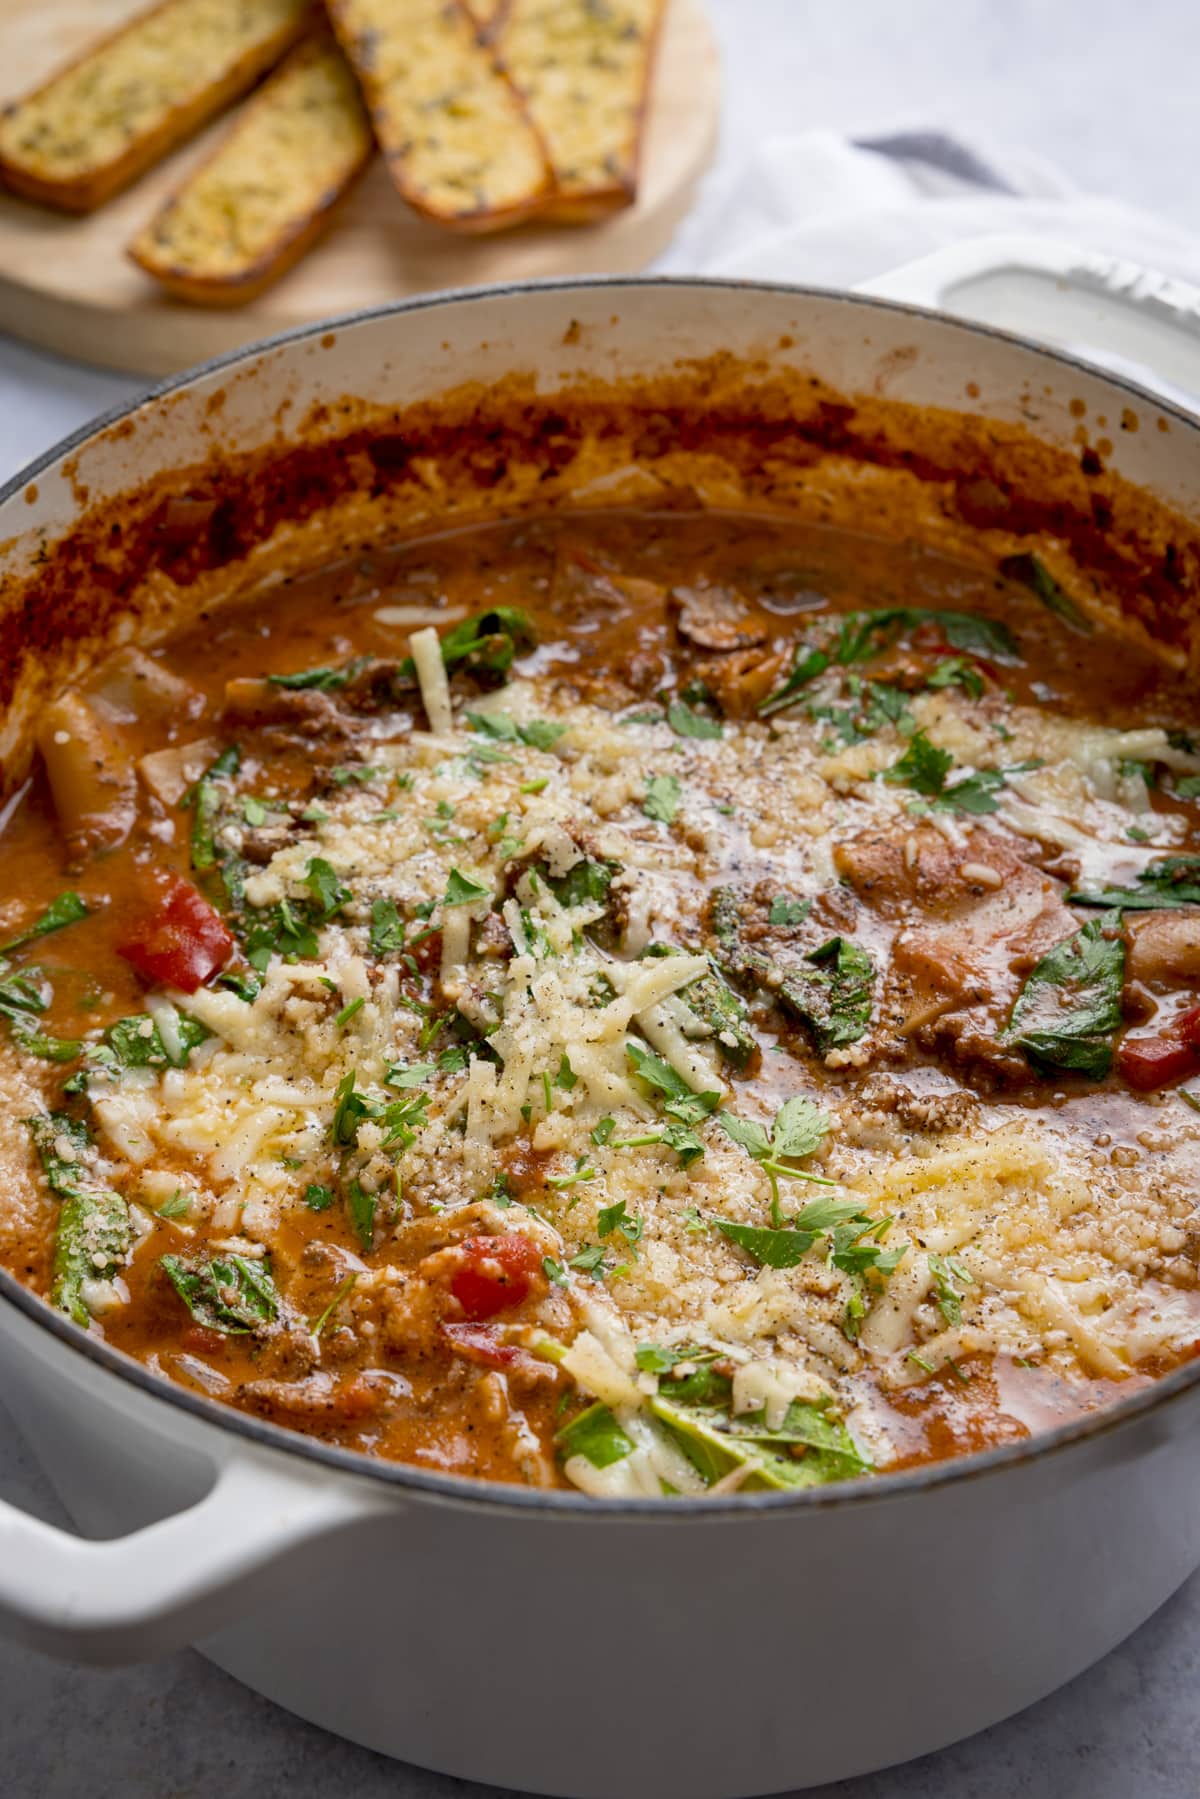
x: 649, y: 1002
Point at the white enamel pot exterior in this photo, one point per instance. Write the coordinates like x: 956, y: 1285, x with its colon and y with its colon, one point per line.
x: 700, y: 1650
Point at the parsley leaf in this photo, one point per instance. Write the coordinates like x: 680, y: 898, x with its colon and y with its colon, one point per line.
x: 787, y: 912
x: 537, y: 733
x: 799, y: 1129
x: 321, y: 879
x: 679, y: 1101
x: 616, y: 1218
x: 786, y: 1245
x: 590, y: 1259
x: 687, y: 723
x: 956, y: 671
x: 923, y: 766
x: 662, y: 797
x: 461, y: 890
x: 318, y: 1198
x: 1070, y: 1006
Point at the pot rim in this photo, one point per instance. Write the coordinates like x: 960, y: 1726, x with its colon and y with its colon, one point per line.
x: 491, y: 1495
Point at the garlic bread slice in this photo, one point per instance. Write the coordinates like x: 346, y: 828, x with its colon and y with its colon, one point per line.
x: 255, y: 205
x: 584, y: 68
x: 105, y: 118
x: 457, y: 137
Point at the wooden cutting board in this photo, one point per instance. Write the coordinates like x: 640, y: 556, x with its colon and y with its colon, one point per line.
x: 65, y: 283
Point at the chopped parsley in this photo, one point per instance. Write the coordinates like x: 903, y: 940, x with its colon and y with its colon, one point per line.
x: 387, y: 928
x: 537, y: 733
x: 950, y: 1276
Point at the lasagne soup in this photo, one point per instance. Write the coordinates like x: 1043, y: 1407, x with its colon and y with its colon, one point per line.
x: 656, y: 1003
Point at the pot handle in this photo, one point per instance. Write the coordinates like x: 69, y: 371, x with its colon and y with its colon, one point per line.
x: 134, y: 1597
x: 1129, y: 319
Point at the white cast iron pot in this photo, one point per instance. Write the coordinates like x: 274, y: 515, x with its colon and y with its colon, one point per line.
x: 703, y: 1649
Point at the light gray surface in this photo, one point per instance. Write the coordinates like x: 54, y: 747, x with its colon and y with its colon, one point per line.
x: 1107, y: 89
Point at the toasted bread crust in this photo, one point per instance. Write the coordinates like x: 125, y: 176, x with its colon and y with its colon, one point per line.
x: 253, y: 207
x: 131, y: 97
x: 584, y: 71
x: 458, y: 140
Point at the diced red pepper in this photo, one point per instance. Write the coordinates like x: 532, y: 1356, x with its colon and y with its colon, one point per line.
x: 199, y: 1340
x: 1187, y: 1026
x: 479, y: 1343
x: 495, y: 1274
x: 176, y: 939
x: 1150, y: 1062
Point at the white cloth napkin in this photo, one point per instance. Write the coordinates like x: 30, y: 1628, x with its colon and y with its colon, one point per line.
x: 830, y: 211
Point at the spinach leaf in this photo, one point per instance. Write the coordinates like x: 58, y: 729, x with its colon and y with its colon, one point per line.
x: 204, y: 799
x: 231, y: 1294
x: 834, y: 1001
x: 716, y: 1005
x: 94, y: 1233
x: 64, y: 1146
x: 1066, y: 1014
x: 361, y: 1206
x: 1174, y: 881
x: 596, y: 1436
x: 807, y: 664
x: 322, y: 680
x: 132, y: 1045
x: 715, y: 1443
x: 1032, y: 573
x: 67, y: 909
x: 24, y: 997
x: 490, y: 640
